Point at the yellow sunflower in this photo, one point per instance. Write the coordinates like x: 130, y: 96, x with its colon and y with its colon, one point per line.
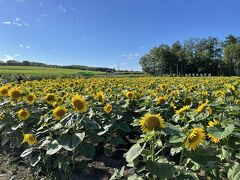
x: 59, y: 112
x: 204, y: 93
x: 23, y: 114
x: 163, y: 86
x: 231, y: 87
x: 79, y: 103
x: 183, y: 109
x: 100, y: 96
x: 161, y: 100
x: 30, y: 139
x: 202, y: 106
x: 151, y: 122
x: 212, y: 124
x: 3, y: 91
x: 107, y: 108
x: 60, y: 100
x: 195, y: 138
x: 50, y: 98
x: 15, y: 93
x: 219, y: 93
x: 31, y: 98
x: 209, y: 109
x: 129, y: 94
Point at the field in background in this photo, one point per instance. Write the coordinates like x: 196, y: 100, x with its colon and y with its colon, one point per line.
x: 44, y: 70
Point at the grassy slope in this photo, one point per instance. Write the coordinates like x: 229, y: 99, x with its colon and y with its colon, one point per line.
x: 42, y: 70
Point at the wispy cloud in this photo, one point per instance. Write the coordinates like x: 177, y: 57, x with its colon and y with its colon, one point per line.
x: 7, y: 57
x: 24, y: 46
x: 61, y: 8
x: 141, y: 47
x: 19, y: 0
x: 88, y: 37
x: 6, y: 23
x: 130, y: 55
x: 17, y: 21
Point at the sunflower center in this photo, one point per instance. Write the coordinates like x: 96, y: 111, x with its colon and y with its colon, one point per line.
x: 100, y: 98
x: 78, y: 104
x: 4, y: 91
x: 152, y: 123
x: 130, y: 95
x: 50, y: 98
x: 15, y: 94
x: 61, y: 112
x: 109, y: 108
x: 193, y: 137
x: 161, y: 101
x: 23, y: 114
x: 31, y: 138
x: 30, y: 98
x: 163, y: 86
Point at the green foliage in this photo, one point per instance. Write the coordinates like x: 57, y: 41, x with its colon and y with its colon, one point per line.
x: 195, y: 56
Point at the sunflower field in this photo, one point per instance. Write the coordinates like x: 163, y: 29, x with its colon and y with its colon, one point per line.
x: 165, y: 127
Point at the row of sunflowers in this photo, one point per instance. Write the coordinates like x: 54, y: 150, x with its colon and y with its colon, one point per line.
x: 173, y: 128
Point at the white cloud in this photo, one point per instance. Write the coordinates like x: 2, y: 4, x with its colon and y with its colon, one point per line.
x: 17, y: 55
x: 24, y: 46
x: 7, y: 23
x: 7, y: 57
x: 134, y: 55
x: 61, y: 8
x: 141, y: 47
x: 88, y: 37
x: 130, y: 55
x: 38, y: 26
x: 18, y: 22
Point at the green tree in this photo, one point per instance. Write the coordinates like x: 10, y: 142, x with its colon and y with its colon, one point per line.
x: 232, y: 58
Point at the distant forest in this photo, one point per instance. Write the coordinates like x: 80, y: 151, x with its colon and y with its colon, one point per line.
x: 196, y: 55
x: 29, y: 63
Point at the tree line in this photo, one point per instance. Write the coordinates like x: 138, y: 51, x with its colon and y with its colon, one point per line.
x: 196, y: 55
x: 38, y: 64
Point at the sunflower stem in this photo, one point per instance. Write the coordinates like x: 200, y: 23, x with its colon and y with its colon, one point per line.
x: 152, y: 150
x: 152, y: 146
x: 73, y: 158
x: 181, y: 157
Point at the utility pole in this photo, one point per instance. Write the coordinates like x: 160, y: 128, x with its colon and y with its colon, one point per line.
x: 118, y: 68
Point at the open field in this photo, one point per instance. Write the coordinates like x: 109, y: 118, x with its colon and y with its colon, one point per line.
x: 122, y: 128
x: 43, y: 70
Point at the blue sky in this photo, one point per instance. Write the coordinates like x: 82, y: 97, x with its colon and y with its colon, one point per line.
x: 106, y: 33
